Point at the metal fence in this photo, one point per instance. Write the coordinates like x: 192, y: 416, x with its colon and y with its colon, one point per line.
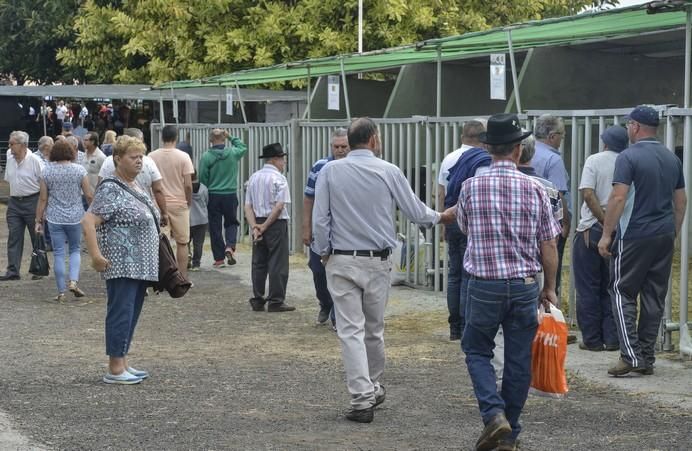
x: 417, y: 145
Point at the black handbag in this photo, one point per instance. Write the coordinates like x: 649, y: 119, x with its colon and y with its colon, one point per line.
x: 170, y: 278
x: 39, y: 259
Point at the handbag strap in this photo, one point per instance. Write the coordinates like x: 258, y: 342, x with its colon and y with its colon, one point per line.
x: 137, y: 196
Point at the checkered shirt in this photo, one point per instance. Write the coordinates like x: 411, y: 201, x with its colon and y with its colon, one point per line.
x: 505, y: 215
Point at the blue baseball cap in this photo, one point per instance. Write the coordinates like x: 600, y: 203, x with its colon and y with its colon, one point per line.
x: 615, y: 138
x: 67, y: 126
x: 644, y: 114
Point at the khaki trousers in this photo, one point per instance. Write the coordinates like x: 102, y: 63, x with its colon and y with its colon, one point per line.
x: 360, y: 288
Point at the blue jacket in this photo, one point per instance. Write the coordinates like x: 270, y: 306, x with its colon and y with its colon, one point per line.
x: 465, y: 168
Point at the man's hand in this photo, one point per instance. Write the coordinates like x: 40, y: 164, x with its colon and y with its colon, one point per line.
x: 164, y: 220
x: 604, y: 245
x: 257, y: 232
x: 547, y: 297
x: 307, y: 236
x: 324, y: 259
x: 226, y: 134
x: 565, y: 229
x: 449, y: 215
x: 99, y: 263
x: 38, y: 228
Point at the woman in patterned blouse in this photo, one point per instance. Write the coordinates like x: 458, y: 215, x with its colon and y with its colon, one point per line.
x: 122, y: 238
x: 62, y: 185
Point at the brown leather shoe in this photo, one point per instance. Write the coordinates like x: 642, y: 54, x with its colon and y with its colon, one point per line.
x: 361, y: 415
x: 621, y: 368
x: 584, y: 347
x: 283, y: 307
x: 496, y: 431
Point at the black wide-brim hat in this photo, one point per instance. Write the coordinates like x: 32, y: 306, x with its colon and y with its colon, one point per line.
x: 272, y: 150
x: 503, y: 129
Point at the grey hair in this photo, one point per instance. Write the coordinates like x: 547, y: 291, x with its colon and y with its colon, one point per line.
x: 20, y: 137
x: 547, y: 124
x: 73, y: 141
x: 45, y: 140
x: 134, y: 133
x: 528, y: 149
x: 339, y: 133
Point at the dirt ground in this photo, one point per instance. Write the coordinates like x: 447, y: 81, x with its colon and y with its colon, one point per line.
x: 224, y: 377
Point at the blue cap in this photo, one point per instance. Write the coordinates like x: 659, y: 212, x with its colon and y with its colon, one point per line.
x: 615, y: 138
x: 644, y: 114
x: 67, y: 126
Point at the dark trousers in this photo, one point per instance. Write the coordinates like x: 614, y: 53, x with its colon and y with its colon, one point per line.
x: 223, y: 213
x: 270, y: 259
x: 640, y: 268
x: 20, y: 216
x: 560, y: 252
x: 319, y: 277
x: 197, y: 234
x: 592, y: 281
x: 125, y: 300
x: 457, y: 279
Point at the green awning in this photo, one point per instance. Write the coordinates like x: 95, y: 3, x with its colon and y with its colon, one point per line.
x: 582, y: 28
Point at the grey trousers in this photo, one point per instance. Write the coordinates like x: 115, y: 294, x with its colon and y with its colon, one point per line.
x: 20, y: 215
x: 640, y: 268
x: 360, y: 288
x: 270, y: 260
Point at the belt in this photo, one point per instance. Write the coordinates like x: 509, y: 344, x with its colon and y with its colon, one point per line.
x: 383, y: 254
x: 20, y: 198
x: 527, y: 280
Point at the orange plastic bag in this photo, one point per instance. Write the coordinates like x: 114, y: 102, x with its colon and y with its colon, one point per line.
x: 549, y: 351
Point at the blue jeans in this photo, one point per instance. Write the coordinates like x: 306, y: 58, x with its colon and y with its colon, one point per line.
x: 222, y: 208
x: 512, y: 304
x: 457, y: 278
x: 125, y: 299
x: 319, y: 277
x: 59, y: 234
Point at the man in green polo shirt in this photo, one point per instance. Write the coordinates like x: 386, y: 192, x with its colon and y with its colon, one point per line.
x: 218, y: 171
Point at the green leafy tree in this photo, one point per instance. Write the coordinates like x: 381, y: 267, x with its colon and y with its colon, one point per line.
x: 32, y: 31
x: 159, y: 40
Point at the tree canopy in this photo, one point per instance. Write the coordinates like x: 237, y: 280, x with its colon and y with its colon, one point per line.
x: 149, y: 41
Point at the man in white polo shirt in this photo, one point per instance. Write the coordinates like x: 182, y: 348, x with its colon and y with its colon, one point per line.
x: 23, y: 173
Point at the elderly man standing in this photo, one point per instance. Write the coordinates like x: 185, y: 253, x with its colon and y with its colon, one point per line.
x: 319, y: 276
x: 266, y: 211
x: 647, y: 205
x: 590, y: 269
x: 23, y: 173
x: 354, y: 233
x: 548, y: 163
x: 218, y: 171
x: 511, y: 232
x: 45, y: 144
x: 93, y: 158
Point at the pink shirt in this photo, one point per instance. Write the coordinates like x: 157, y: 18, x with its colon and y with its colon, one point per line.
x: 173, y: 165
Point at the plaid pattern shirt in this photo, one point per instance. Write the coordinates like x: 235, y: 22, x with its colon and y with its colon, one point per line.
x: 505, y: 215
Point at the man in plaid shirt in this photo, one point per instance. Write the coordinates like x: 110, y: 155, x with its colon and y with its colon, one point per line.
x: 511, y: 237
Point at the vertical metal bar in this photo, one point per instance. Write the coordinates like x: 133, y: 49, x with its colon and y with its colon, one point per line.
x: 517, y: 97
x: 218, y: 105
x: 343, y: 79
x: 240, y: 99
x: 162, y: 116
x: 688, y: 54
x: 601, y: 129
x: 685, y: 238
x: 574, y: 167
x: 667, y: 336
x: 428, y: 186
x: 309, y: 97
x: 438, y: 94
x: 410, y: 146
x: 415, y: 172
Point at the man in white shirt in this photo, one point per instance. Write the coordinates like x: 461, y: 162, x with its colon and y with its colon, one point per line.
x: 93, y: 158
x: 266, y: 212
x: 23, y: 173
x: 149, y: 178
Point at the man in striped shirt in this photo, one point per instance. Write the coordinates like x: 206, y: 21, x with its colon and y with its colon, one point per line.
x: 319, y: 276
x: 511, y: 232
x: 265, y: 209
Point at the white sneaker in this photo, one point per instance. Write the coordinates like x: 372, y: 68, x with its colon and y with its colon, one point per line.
x: 124, y: 378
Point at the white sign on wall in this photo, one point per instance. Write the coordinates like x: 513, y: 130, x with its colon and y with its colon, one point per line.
x: 333, y: 92
x: 497, y: 77
x: 229, y: 101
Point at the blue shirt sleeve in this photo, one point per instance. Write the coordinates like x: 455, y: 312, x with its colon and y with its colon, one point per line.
x: 624, y: 172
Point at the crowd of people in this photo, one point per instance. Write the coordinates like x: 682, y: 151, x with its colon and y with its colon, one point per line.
x: 503, y: 197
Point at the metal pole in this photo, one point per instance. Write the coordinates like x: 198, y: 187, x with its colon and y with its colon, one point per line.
x: 240, y: 99
x: 517, y: 97
x: 522, y: 73
x: 360, y: 26
x: 45, y: 111
x: 343, y: 79
x: 162, y: 116
x: 688, y: 49
x: 218, y: 105
x: 309, y: 98
x: 438, y: 101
